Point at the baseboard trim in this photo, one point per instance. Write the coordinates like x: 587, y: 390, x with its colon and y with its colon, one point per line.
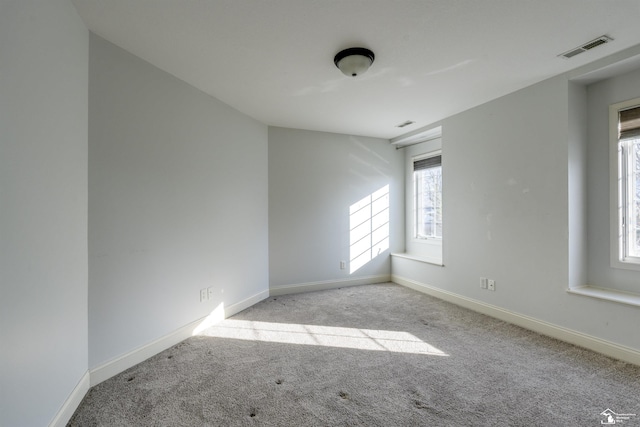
x: 580, y: 339
x: 327, y: 284
x: 246, y: 303
x: 142, y: 353
x: 73, y: 401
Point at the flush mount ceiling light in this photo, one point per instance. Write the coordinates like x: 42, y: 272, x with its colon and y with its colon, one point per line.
x: 354, y: 61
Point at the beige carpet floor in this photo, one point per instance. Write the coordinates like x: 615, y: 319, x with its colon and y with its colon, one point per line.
x: 375, y: 355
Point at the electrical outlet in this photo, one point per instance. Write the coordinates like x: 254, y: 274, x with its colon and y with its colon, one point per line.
x: 210, y: 292
x: 491, y: 285
x: 483, y: 282
x: 203, y: 295
x: 343, y: 265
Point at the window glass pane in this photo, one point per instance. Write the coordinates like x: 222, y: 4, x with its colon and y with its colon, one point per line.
x: 625, y: 208
x: 634, y: 203
x: 428, y: 202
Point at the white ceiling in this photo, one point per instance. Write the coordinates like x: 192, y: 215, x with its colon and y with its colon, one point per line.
x: 273, y: 60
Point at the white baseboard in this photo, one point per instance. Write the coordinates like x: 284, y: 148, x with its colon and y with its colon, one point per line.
x: 598, y: 345
x: 245, y: 303
x: 132, y: 358
x: 73, y: 401
x: 327, y: 284
x: 142, y: 353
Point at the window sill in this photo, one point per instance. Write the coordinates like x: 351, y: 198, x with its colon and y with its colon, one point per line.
x: 426, y: 260
x: 625, y: 265
x: 607, y: 294
x: 432, y: 242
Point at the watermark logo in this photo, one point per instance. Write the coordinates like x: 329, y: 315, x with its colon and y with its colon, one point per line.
x: 612, y: 418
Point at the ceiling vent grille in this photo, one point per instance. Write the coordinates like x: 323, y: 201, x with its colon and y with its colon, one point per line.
x: 585, y: 47
x: 407, y: 123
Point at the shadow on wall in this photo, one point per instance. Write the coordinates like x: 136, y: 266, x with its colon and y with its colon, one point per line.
x: 368, y: 228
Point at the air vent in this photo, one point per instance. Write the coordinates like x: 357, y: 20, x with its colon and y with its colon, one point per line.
x: 585, y: 47
x: 407, y: 123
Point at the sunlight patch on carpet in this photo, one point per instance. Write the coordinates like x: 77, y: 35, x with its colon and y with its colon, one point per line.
x: 329, y: 336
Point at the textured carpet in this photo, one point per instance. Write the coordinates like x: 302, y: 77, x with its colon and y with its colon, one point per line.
x: 375, y: 355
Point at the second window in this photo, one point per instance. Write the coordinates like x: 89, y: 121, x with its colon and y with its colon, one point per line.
x: 427, y: 181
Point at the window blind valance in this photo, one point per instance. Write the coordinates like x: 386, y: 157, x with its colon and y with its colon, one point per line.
x: 427, y: 163
x: 629, y: 123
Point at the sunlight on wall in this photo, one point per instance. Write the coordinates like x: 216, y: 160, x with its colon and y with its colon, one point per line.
x: 369, y: 228
x: 328, y: 336
x: 215, y: 317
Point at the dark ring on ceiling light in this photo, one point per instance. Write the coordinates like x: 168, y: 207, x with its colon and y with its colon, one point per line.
x: 353, y: 51
x: 358, y: 52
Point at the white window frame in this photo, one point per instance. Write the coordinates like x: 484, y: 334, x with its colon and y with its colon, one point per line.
x: 617, y: 190
x: 414, y: 233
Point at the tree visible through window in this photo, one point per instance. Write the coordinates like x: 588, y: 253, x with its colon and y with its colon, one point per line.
x: 635, y: 205
x: 427, y: 179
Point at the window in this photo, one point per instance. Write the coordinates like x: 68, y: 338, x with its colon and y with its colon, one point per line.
x: 427, y: 184
x: 625, y: 124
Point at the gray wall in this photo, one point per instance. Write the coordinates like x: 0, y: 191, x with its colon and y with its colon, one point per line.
x: 507, y: 217
x: 506, y: 198
x: 177, y: 202
x: 600, y: 96
x: 43, y: 208
x: 578, y: 190
x: 314, y: 178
